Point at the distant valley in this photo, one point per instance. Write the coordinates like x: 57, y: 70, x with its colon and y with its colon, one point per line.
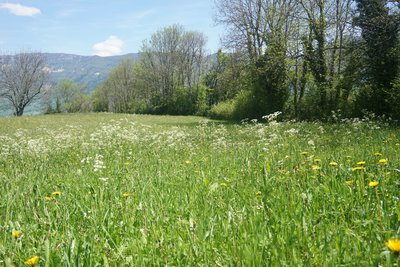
x: 88, y: 70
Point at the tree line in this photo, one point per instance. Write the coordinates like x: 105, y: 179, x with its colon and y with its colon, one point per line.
x: 302, y: 57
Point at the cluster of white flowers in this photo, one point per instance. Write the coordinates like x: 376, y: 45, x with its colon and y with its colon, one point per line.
x: 272, y: 117
x: 98, y: 163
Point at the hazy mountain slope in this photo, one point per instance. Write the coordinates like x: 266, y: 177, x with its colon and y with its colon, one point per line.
x: 89, y: 70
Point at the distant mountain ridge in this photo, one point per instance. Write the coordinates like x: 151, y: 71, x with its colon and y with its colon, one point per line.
x: 88, y: 70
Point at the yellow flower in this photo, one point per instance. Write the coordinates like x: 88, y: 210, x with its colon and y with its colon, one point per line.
x: 258, y: 193
x: 317, y: 160
x: 378, y: 154
x: 16, y: 234
x: 304, y: 153
x: 315, y: 167
x: 357, y: 169
x: 349, y: 182
x: 188, y: 162
x: 393, y: 245
x: 56, y: 193
x: 283, y: 171
x: 373, y: 184
x: 333, y: 163
x: 361, y: 163
x: 383, y: 161
x: 125, y: 194
x: 32, y: 261
x: 223, y: 184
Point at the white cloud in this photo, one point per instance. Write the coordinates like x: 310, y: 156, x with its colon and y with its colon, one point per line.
x: 20, y: 10
x: 110, y: 47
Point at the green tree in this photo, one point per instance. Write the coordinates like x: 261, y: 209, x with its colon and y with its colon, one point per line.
x: 224, y: 77
x: 67, y: 96
x: 171, y: 67
x: 261, y: 29
x: 380, y: 34
x: 99, y: 98
x: 121, y: 88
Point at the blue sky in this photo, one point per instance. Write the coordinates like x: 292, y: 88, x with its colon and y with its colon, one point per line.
x: 88, y: 27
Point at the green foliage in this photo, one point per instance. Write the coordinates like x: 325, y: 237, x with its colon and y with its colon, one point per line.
x: 100, y: 99
x: 394, y: 98
x: 270, y: 89
x: 69, y: 97
x: 201, y: 103
x: 170, y: 69
x: 179, y: 103
x: 223, y: 110
x: 238, y: 108
x: 79, y: 103
x: 381, y: 55
x: 224, y: 78
x: 138, y: 106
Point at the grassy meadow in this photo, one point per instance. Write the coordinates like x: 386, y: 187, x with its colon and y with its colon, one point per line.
x: 130, y: 190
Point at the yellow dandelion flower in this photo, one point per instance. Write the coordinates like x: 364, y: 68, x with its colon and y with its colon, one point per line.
x: 16, y: 234
x: 373, y: 184
x: 315, y: 167
x: 383, y: 161
x: 393, y: 245
x: 188, y: 162
x: 304, y: 153
x: 258, y: 193
x: 283, y: 171
x: 56, y: 193
x: 32, y: 261
x: 357, y: 169
x: 333, y: 163
x: 378, y: 154
x: 125, y: 194
x: 361, y: 163
x: 349, y: 182
x: 317, y: 160
x: 223, y: 184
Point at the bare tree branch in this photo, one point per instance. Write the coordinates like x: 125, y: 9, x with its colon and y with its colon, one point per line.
x: 22, y: 79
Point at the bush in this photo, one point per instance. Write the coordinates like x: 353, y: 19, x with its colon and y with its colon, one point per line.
x: 394, y: 99
x: 223, y: 110
x: 138, y: 106
x: 201, y: 100
x: 238, y: 108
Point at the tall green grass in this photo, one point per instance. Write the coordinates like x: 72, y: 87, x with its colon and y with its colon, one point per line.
x: 186, y: 191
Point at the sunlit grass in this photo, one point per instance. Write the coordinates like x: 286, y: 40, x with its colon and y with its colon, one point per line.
x: 128, y: 190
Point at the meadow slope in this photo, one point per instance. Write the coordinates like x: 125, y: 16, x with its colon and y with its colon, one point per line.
x: 130, y: 190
